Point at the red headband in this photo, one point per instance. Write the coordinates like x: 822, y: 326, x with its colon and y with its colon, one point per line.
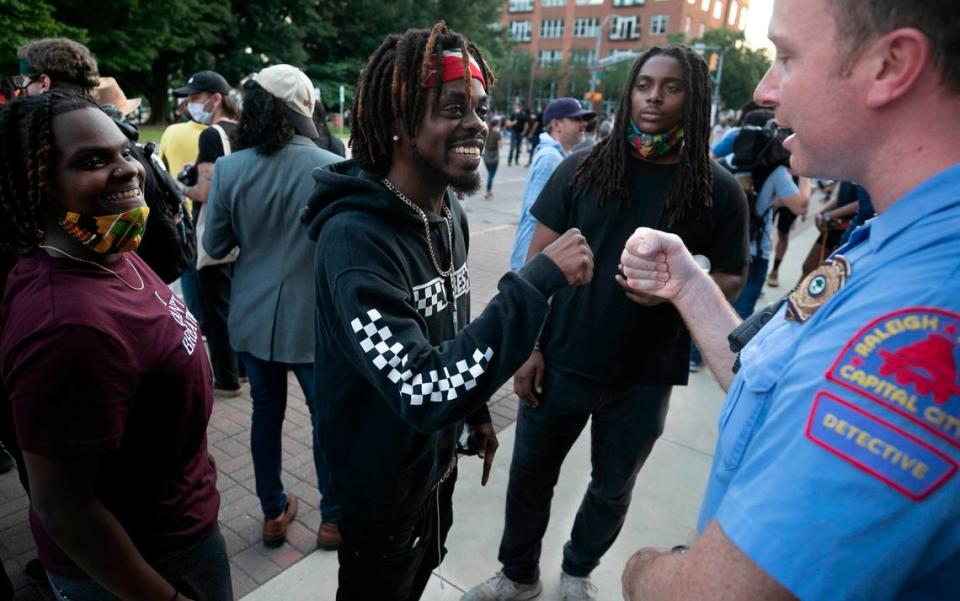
x: 451, y: 69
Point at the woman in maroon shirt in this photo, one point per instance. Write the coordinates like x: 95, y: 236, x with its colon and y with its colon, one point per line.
x: 109, y: 385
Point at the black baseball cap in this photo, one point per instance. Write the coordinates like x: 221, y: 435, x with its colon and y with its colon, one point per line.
x: 204, y: 81
x: 565, y: 108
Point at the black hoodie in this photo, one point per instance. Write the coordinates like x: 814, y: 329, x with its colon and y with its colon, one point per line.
x: 395, y: 377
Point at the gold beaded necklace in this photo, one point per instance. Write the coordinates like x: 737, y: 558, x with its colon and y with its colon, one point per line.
x: 107, y: 269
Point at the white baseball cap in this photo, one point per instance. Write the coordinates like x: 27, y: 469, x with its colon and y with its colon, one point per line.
x: 291, y: 86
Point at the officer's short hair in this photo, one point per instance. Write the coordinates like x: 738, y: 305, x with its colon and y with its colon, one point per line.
x: 69, y: 64
x: 862, y: 21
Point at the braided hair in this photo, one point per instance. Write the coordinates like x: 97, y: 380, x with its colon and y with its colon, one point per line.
x: 390, y: 92
x: 26, y: 164
x: 692, y: 187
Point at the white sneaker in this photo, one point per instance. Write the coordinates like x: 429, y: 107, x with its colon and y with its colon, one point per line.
x: 501, y: 588
x: 574, y: 588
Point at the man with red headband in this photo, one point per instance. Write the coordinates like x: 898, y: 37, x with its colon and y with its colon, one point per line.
x: 398, y: 360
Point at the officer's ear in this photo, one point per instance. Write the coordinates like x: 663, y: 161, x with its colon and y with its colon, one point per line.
x: 893, y: 64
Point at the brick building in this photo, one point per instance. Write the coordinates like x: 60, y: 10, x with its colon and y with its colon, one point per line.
x: 556, y: 32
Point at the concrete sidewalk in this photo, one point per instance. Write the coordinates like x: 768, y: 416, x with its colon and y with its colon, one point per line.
x: 663, y: 512
x: 666, y: 498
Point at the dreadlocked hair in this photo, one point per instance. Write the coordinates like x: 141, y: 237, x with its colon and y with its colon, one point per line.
x: 391, y: 92
x: 692, y: 187
x: 26, y: 160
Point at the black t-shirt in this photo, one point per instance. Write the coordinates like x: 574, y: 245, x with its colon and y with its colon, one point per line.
x: 520, y: 117
x: 595, y: 331
x: 211, y: 148
x: 537, y: 129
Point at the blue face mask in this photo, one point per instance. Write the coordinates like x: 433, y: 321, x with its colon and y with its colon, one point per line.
x: 199, y: 113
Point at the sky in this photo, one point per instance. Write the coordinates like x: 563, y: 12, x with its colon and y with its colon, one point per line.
x: 757, y: 20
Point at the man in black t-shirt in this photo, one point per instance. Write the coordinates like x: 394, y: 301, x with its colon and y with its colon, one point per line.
x: 516, y: 124
x: 209, y: 103
x: 607, y: 354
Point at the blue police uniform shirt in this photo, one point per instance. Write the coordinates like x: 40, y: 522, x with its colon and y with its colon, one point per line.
x: 836, y: 463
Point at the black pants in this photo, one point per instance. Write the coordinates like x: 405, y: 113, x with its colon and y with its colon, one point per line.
x: 214, y: 288
x: 626, y: 423
x: 392, y: 560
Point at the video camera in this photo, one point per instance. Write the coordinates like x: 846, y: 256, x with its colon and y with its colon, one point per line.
x: 752, y: 147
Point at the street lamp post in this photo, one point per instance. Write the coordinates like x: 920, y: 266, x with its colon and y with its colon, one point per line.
x: 596, y: 56
x: 715, y: 104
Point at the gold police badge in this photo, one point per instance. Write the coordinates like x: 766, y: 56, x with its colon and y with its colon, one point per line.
x: 815, y: 289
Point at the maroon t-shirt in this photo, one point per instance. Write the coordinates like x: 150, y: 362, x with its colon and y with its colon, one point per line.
x: 93, y: 367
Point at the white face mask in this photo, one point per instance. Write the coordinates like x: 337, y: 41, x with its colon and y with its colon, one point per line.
x: 198, y: 113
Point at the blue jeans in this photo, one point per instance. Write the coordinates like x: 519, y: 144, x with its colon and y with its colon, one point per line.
x: 756, y: 275
x: 190, y: 287
x: 625, y: 424
x: 491, y: 171
x: 268, y: 388
x: 200, y: 571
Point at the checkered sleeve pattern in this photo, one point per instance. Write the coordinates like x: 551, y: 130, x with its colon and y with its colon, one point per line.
x: 430, y: 298
x: 391, y: 357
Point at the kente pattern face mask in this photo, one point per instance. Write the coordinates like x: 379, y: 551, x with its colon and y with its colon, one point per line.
x: 106, y: 234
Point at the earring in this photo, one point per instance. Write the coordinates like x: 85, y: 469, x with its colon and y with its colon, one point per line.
x: 396, y: 138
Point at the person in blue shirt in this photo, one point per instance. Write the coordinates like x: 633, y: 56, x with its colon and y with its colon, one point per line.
x: 565, y: 121
x: 775, y: 188
x: 836, y: 469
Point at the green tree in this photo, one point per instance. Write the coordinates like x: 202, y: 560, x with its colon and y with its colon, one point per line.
x: 144, y: 43
x: 24, y: 20
x: 743, y: 67
x: 356, y: 27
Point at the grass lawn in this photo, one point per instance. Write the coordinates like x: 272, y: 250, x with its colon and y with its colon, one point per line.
x: 151, y: 132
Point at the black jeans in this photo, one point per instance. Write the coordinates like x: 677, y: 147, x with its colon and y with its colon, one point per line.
x: 391, y: 560
x: 516, y: 146
x: 626, y: 423
x: 214, y: 289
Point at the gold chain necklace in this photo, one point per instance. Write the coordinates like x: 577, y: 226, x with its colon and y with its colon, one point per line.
x: 107, y: 269
x: 447, y: 217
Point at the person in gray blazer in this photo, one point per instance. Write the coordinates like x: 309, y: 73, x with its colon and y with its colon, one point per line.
x: 254, y: 204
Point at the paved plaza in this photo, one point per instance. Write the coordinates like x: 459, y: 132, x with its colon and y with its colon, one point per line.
x: 663, y: 513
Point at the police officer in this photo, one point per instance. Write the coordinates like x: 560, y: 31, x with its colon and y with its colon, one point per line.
x: 836, y: 469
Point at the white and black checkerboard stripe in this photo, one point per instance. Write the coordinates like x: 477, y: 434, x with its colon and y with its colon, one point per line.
x: 433, y: 386
x: 431, y: 297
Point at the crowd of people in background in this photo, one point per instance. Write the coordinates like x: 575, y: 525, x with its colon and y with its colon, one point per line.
x: 640, y: 232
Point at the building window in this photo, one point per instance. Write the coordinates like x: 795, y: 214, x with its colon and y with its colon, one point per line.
x: 687, y: 26
x: 625, y: 28
x: 549, y: 57
x: 629, y: 2
x: 519, y: 31
x: 743, y: 18
x: 732, y: 18
x: 550, y: 3
x: 705, y: 5
x: 702, y: 29
x: 586, y: 27
x: 692, y: 1
x: 520, y: 6
x: 551, y: 28
x: 589, y: 2
x: 658, y: 25
x: 718, y: 9
x: 582, y: 56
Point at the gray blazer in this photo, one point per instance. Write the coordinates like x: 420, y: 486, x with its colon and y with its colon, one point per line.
x: 255, y: 203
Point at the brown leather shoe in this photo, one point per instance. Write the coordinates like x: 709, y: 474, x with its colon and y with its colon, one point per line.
x: 275, y: 530
x: 328, y: 536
